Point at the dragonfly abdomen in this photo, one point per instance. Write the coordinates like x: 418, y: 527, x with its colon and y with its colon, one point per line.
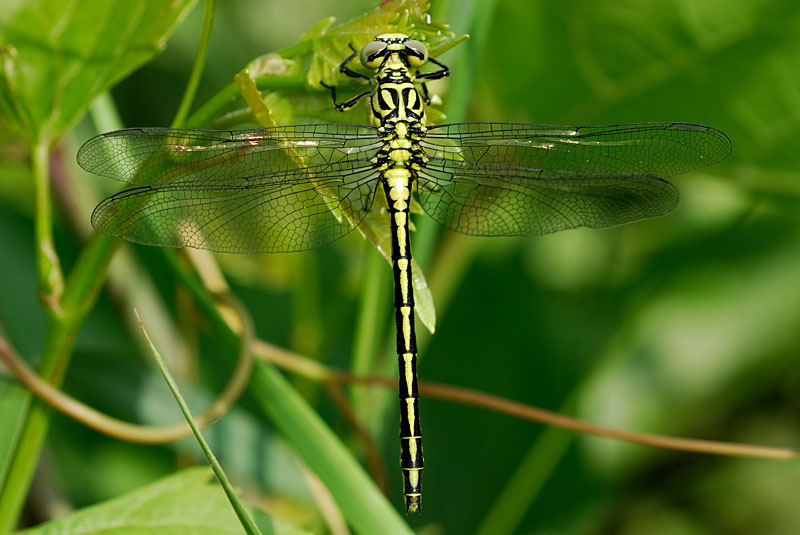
x: 397, y: 187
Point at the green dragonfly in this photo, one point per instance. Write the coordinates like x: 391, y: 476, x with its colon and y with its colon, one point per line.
x: 294, y: 188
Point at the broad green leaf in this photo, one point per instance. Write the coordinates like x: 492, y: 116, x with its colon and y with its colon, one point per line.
x: 189, y: 502
x: 56, y: 56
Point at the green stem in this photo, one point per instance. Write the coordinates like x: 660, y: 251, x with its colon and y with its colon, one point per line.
x: 50, y: 276
x: 216, y: 104
x: 80, y: 292
x: 33, y: 426
x: 33, y: 430
x: 197, y: 69
x: 67, y: 303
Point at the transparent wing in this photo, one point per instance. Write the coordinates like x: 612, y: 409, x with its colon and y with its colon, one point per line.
x: 266, y: 190
x: 657, y: 149
x: 481, y: 200
x: 497, y: 179
x: 141, y: 156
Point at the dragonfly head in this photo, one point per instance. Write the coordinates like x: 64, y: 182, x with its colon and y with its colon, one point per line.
x: 411, y: 51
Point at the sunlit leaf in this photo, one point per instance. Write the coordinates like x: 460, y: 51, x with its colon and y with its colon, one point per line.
x: 56, y: 56
x: 187, y: 502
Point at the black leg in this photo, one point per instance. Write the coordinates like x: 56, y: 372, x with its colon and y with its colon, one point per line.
x: 344, y: 69
x: 344, y: 106
x: 426, y: 96
x: 435, y: 75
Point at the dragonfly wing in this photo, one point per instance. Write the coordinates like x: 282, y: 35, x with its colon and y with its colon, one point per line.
x: 270, y: 189
x: 497, y: 200
x: 655, y: 149
x: 282, y: 211
x: 494, y: 179
x: 143, y: 156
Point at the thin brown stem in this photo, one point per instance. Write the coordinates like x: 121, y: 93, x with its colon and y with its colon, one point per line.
x: 314, y: 370
x: 143, y: 434
x: 375, y: 462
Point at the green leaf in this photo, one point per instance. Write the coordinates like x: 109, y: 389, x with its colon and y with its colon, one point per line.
x: 56, y: 56
x: 401, y: 16
x: 187, y: 502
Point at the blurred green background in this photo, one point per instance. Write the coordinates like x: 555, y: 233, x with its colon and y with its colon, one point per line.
x: 684, y: 325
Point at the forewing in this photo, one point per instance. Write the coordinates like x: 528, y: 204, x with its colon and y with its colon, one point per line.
x: 143, y: 156
x: 500, y: 179
x: 655, y: 149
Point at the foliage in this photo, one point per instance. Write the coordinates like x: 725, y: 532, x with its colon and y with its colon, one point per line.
x: 57, y: 57
x: 185, y: 502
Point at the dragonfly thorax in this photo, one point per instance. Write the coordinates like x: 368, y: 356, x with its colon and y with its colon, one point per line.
x: 393, y: 102
x: 395, y: 97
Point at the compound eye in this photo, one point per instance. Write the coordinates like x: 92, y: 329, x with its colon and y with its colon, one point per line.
x: 372, y: 54
x: 416, y: 52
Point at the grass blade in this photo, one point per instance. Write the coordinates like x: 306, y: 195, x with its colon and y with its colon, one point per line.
x: 244, y: 516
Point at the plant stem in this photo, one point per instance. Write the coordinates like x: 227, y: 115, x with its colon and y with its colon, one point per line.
x: 197, y: 68
x: 33, y: 428
x: 80, y: 292
x: 214, y: 106
x: 50, y: 277
x: 66, y: 305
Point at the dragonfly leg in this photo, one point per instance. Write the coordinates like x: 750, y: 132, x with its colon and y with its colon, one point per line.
x: 427, y: 76
x: 346, y: 105
x: 347, y: 71
x: 426, y: 96
x: 434, y: 75
x: 344, y: 69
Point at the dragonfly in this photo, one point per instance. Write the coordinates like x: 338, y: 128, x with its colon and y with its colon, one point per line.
x: 293, y: 188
